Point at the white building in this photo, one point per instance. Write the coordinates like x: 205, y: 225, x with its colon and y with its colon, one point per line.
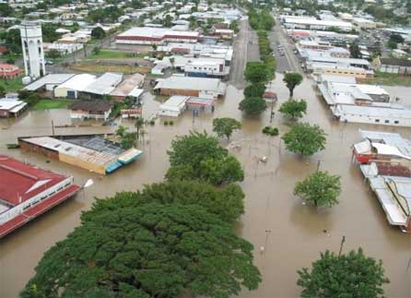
x: 73, y: 86
x: 313, y: 24
x: 32, y: 47
x: 151, y: 36
x: 174, y: 106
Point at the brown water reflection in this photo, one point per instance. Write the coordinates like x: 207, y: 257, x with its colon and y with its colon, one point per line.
x: 297, y: 232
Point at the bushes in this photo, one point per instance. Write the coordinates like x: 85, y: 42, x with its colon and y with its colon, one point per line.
x: 271, y: 131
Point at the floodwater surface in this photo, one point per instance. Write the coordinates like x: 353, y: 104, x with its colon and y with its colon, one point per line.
x: 293, y: 234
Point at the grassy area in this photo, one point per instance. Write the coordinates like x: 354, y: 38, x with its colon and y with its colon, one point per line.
x: 46, y: 104
x: 101, y: 68
x: 387, y: 79
x: 103, y: 54
x: 12, y: 85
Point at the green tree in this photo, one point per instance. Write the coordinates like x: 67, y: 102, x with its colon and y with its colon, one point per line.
x: 198, y: 156
x: 121, y: 131
x: 5, y: 10
x: 12, y: 39
x: 2, y: 91
x: 225, y: 126
x: 392, y: 45
x: 397, y: 38
x: 49, y: 32
x: 348, y: 275
x: 98, y: 33
x: 292, y: 80
x: 257, y: 72
x: 355, y: 51
x: 128, y: 140
x: 168, y: 21
x: 150, y: 250
x: 227, y: 202
x: 96, y: 50
x: 53, y: 54
x: 294, y: 109
x: 305, y: 139
x: 319, y: 188
x: 139, y: 124
x: 254, y: 90
x: 253, y: 106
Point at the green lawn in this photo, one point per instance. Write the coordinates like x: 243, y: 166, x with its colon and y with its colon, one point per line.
x: 46, y: 104
x: 388, y: 79
x: 109, y: 55
x: 12, y: 85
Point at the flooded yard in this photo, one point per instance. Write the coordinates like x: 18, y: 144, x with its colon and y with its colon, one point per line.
x: 293, y: 234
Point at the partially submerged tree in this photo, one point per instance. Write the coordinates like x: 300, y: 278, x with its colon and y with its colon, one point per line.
x: 305, y: 139
x: 253, y: 106
x: 255, y: 90
x: 150, y: 250
x: 257, y: 72
x: 348, y: 275
x: 292, y: 80
x: 198, y: 156
x: 294, y: 109
x: 225, y: 126
x: 320, y: 189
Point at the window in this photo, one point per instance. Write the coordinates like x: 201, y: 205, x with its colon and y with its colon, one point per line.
x: 377, y: 120
x: 387, y: 121
x: 396, y: 122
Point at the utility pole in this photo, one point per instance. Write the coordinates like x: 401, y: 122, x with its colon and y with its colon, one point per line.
x: 52, y: 127
x: 267, y: 232
x: 318, y: 165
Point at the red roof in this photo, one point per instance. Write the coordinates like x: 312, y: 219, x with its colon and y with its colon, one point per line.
x: 21, y: 181
x: 269, y: 94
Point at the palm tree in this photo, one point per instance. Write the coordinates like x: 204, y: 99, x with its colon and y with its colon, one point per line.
x: 138, y: 125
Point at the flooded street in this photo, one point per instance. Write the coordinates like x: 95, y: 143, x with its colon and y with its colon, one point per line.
x: 293, y: 234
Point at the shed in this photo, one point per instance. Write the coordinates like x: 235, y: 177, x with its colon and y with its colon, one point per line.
x: 174, y: 106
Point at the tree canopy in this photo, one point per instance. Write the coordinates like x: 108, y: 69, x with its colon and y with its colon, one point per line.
x: 225, y: 126
x: 305, y: 139
x: 257, y: 72
x: 150, y: 250
x: 253, y: 106
x: 254, y: 90
x: 98, y: 33
x: 355, y: 51
x: 292, y: 80
x: 348, y: 275
x: 198, y: 156
x: 294, y: 109
x: 319, y: 188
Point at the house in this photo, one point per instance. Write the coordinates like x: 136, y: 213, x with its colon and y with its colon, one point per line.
x: 98, y: 109
x: 12, y: 107
x: 28, y: 191
x: 201, y: 105
x: 72, y: 87
x: 397, y: 66
x: 94, y: 153
x: 174, y: 106
x: 191, y: 86
x: 385, y: 161
x: 128, y: 87
x: 8, y: 71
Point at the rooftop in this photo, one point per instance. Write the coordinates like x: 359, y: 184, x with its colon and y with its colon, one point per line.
x: 21, y: 181
x: 190, y: 83
x: 78, y: 82
x: 104, y: 84
x: 96, y: 106
x: 50, y: 79
x: 157, y: 33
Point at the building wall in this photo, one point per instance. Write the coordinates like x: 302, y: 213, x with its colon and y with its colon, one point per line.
x: 38, y: 149
x: 345, y: 72
x: 75, y: 161
x: 390, y: 121
x: 170, y: 92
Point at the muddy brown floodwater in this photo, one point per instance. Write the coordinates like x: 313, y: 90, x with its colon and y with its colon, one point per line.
x: 293, y: 234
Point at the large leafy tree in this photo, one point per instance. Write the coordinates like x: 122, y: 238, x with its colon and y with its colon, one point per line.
x: 98, y: 33
x: 355, y: 51
x: 319, y: 188
x: 149, y: 250
x: 292, y: 80
x: 227, y: 202
x: 257, y: 72
x: 305, y: 139
x: 254, y: 90
x: 348, y: 275
x: 253, y: 106
x: 198, y: 156
x: 225, y: 126
x: 294, y: 109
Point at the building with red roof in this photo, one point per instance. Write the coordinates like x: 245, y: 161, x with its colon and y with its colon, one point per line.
x: 9, y: 71
x: 27, y: 191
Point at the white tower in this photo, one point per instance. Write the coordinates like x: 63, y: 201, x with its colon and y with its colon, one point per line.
x: 32, y: 46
